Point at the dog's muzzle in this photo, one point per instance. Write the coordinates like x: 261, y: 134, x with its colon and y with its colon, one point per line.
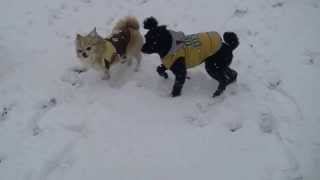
x: 85, y: 55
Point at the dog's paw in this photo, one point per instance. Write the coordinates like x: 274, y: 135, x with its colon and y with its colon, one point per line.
x: 165, y: 75
x: 106, y: 74
x: 129, y: 62
x: 175, y: 93
x: 217, y: 93
x: 106, y: 77
x: 72, y: 77
x: 220, y: 90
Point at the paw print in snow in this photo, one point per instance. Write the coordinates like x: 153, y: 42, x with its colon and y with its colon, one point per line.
x: 274, y: 85
x: 4, y: 113
x: 240, y: 12
x: 278, y: 4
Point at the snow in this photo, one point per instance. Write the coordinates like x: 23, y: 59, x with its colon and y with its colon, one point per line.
x: 58, y: 124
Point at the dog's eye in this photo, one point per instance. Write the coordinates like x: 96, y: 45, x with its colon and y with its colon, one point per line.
x: 88, y: 48
x: 79, y: 51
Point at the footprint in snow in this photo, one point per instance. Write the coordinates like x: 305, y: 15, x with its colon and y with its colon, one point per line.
x: 312, y: 57
x: 4, y: 113
x: 250, y: 33
x: 55, y: 15
x: 198, y: 121
x: 86, y: 1
x: 237, y: 88
x: 200, y: 117
x: 40, y: 113
x: 234, y: 126
x: 72, y: 76
x: 278, y: 4
x: 141, y: 2
x: 2, y: 159
x: 266, y: 122
x: 240, y: 12
x: 274, y: 84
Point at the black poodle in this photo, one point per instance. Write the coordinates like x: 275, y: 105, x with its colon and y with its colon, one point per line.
x: 178, y: 52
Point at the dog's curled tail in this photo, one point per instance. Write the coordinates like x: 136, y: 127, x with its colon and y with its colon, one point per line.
x: 231, y: 39
x: 127, y: 22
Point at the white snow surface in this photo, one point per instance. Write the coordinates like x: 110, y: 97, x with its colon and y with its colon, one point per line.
x: 57, y: 124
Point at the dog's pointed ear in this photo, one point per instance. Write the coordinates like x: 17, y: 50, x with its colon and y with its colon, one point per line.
x: 78, y: 36
x: 93, y: 33
x: 150, y: 23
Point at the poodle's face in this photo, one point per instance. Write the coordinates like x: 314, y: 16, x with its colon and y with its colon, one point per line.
x: 156, y: 40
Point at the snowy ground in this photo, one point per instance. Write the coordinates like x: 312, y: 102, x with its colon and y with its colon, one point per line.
x: 56, y: 124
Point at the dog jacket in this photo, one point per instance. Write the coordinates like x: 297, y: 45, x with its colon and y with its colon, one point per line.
x: 195, y: 49
x: 109, y: 54
x: 116, y: 45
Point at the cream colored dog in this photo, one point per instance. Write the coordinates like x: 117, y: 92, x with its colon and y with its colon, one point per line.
x: 124, y: 44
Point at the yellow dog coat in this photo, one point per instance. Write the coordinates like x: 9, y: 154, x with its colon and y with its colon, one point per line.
x: 109, y: 54
x: 195, y: 49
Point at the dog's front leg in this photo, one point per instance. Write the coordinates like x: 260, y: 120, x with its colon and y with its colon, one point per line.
x: 138, y: 57
x: 162, y: 71
x: 106, y: 74
x: 180, y: 71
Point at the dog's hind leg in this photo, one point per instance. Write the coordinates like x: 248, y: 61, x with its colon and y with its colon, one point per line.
x: 231, y: 74
x: 218, y: 68
x: 129, y: 61
x: 218, y: 73
x: 138, y: 58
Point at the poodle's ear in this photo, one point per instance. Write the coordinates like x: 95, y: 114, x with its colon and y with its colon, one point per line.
x: 150, y: 23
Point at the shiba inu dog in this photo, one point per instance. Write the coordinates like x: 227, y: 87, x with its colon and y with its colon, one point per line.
x: 122, y: 45
x: 178, y: 52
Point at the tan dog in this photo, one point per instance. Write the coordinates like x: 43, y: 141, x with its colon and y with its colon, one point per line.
x: 124, y: 44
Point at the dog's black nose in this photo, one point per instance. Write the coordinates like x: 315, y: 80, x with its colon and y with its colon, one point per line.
x: 85, y: 55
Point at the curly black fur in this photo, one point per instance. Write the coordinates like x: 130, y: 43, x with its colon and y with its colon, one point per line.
x: 231, y: 39
x: 150, y: 23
